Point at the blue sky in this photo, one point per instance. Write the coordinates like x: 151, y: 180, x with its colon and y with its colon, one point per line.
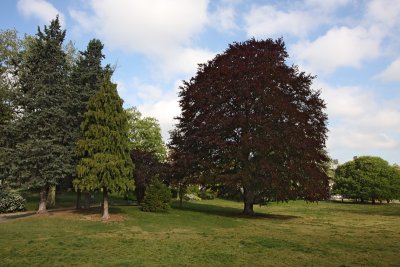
x: 352, y: 47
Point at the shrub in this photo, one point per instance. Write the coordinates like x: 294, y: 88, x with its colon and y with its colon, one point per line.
x: 189, y: 197
x: 157, y: 198
x: 11, y: 202
x: 206, y: 194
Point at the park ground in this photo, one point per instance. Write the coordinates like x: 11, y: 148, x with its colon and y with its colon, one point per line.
x: 205, y: 233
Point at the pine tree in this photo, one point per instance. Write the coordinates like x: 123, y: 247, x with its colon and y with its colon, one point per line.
x: 44, y: 146
x: 104, y: 148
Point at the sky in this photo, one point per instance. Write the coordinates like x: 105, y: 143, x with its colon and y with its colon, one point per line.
x: 352, y: 47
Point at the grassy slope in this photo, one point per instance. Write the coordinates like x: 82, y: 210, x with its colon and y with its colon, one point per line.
x: 210, y: 233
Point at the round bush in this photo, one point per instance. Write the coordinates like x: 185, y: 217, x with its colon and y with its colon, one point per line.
x: 157, y: 198
x: 11, y: 202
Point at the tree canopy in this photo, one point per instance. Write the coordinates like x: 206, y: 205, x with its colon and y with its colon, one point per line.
x: 145, y: 134
x: 250, y: 120
x: 367, y: 178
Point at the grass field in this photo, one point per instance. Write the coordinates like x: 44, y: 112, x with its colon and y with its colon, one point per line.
x: 208, y: 233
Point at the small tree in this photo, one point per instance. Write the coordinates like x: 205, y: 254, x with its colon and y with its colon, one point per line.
x: 104, y: 148
x: 158, y: 197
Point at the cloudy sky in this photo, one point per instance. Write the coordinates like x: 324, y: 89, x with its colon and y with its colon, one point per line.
x: 352, y: 46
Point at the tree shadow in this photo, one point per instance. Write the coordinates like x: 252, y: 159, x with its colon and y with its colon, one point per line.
x: 228, y: 211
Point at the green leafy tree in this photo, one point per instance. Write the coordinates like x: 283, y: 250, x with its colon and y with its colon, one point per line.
x: 251, y: 121
x: 104, y: 148
x: 145, y: 134
x: 367, y: 178
x: 44, y: 149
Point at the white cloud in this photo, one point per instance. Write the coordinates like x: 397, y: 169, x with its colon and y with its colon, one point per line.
x: 267, y: 21
x: 164, y: 109
x: 223, y: 19
x: 359, y: 120
x: 339, y: 47
x: 391, y: 73
x: 184, y: 61
x: 360, y: 140
x: 40, y: 9
x: 149, y: 27
x: 386, y: 12
x: 326, y: 4
x: 151, y: 101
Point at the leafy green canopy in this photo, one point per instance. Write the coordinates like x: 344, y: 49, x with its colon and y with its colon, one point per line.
x: 367, y: 178
x: 145, y: 134
x: 104, y: 148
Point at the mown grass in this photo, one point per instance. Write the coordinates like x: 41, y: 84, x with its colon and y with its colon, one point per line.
x: 209, y: 233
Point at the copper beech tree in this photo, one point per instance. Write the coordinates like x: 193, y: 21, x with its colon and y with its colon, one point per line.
x: 250, y: 120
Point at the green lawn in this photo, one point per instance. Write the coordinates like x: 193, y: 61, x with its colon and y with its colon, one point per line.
x: 208, y: 233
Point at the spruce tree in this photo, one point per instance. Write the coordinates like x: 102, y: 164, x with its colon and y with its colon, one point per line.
x: 104, y: 148
x: 44, y: 146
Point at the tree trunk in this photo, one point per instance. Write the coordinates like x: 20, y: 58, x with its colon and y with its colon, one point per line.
x: 248, y: 199
x: 51, y: 197
x: 106, y: 215
x: 78, y: 199
x: 388, y: 201
x: 43, y: 200
x: 86, y: 203
x: 180, y: 194
x: 373, y: 200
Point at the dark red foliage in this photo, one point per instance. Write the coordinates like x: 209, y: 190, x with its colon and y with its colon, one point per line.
x: 250, y: 120
x: 147, y: 167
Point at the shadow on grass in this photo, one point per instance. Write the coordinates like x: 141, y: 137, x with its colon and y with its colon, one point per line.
x: 227, y: 211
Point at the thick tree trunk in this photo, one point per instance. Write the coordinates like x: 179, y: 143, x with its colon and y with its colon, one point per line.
x: 106, y: 215
x: 248, y: 199
x: 43, y: 200
x: 140, y: 192
x: 51, y: 197
x: 373, y: 200
x: 78, y: 199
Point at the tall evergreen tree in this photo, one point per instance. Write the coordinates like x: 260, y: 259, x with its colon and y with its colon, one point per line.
x: 104, y: 148
x: 86, y: 78
x: 43, y: 133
